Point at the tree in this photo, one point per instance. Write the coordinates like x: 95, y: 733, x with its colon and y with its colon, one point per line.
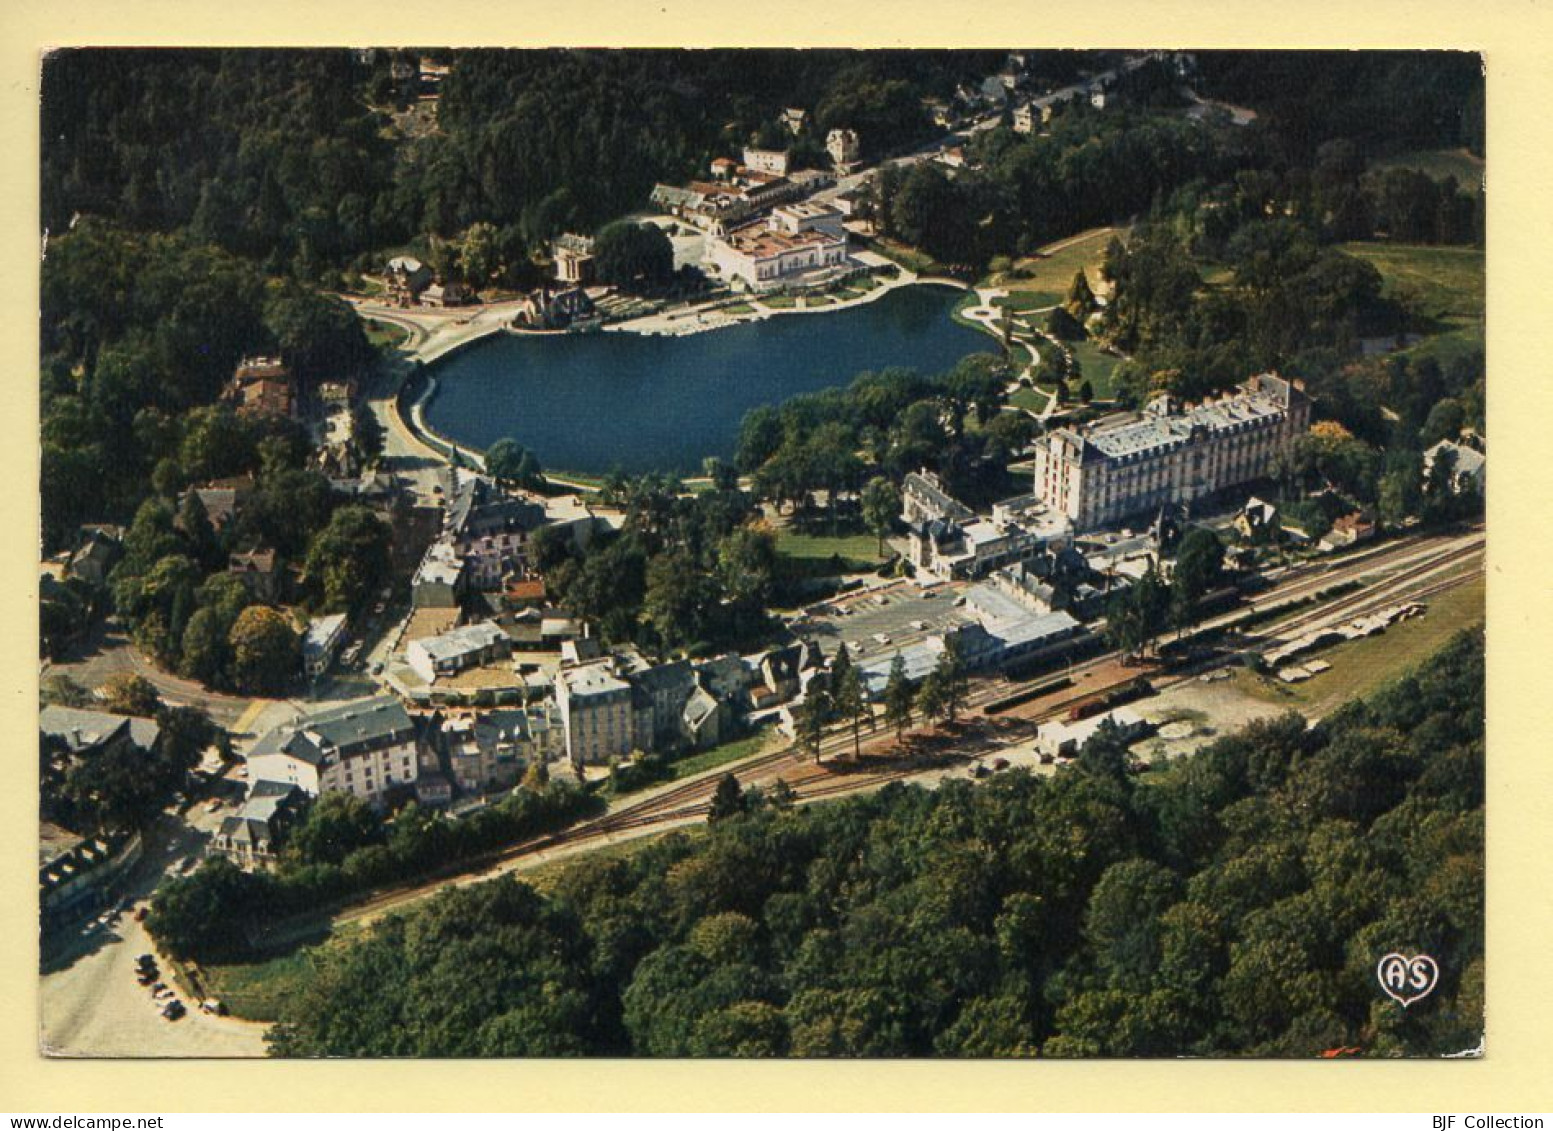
x: 367, y: 433
x: 509, y: 462
x: 1198, y: 570
x: 266, y: 651
x: 728, y: 800
x: 631, y: 255
x: 1081, y: 297
x: 953, y: 684
x: 898, y: 697
x: 348, y: 560
x: 881, y: 503
x: 847, y: 699
x: 932, y: 698
x: 335, y: 825
x: 66, y: 691
x: 810, y: 719
x: 131, y: 694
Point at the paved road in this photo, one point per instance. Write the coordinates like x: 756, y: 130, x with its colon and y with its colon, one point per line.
x: 91, y: 1005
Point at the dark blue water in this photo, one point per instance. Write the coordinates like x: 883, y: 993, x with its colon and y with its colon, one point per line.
x: 596, y: 402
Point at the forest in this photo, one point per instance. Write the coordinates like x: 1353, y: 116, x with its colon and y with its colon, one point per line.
x: 1233, y: 904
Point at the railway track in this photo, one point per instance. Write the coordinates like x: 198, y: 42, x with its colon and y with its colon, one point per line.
x: 811, y: 780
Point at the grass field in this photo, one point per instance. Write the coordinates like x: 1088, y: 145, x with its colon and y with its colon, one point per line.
x: 1043, y: 280
x: 1439, y: 164
x: 1096, y: 367
x: 256, y: 991
x: 1031, y: 400
x: 1360, y: 667
x: 780, y: 302
x: 1444, y: 283
x: 859, y: 551
x: 722, y: 755
x: 386, y: 335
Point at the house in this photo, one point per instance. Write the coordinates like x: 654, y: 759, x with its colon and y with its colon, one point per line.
x: 490, y: 750
x: 800, y: 244
x: 1348, y: 530
x: 781, y: 673
x: 224, y: 499
x: 723, y: 168
x: 78, y: 876
x: 321, y: 642
x: 595, y: 706
x: 770, y: 161
x: 457, y: 650
x: 793, y: 119
x: 441, y: 579
x: 543, y: 309
x: 659, y: 695
x: 924, y: 499
x: 1065, y: 740
x: 365, y: 748
x: 97, y: 554
x: 844, y: 148
x: 573, y: 255
x: 257, y: 571
x: 74, y: 732
x: 406, y: 277
x: 253, y: 836
x: 1258, y: 521
x: 1024, y: 118
x: 952, y: 157
x: 261, y: 386
x: 452, y: 293
x: 490, y: 531
x: 1468, y: 466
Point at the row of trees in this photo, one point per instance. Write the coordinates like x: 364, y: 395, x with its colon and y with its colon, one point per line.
x: 1234, y: 905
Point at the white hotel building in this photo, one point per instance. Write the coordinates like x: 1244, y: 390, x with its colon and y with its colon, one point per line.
x: 798, y: 244
x: 1168, y: 454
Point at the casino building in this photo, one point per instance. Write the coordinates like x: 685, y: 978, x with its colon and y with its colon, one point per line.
x: 1169, y: 454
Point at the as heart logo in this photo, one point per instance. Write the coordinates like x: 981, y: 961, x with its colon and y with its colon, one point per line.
x: 1407, y: 980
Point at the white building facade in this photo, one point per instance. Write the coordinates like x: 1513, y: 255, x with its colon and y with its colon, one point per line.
x: 1169, y: 454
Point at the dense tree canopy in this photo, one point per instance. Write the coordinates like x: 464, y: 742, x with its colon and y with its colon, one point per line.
x: 1234, y: 906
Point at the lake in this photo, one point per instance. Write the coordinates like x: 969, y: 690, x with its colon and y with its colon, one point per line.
x: 592, y: 403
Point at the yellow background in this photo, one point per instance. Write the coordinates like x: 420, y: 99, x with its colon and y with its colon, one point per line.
x: 1516, y: 1071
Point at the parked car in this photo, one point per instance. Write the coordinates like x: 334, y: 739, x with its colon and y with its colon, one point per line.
x: 146, y: 977
x: 140, y: 914
x: 173, y: 1010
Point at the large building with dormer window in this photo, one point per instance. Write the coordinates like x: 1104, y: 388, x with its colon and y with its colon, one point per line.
x: 1170, y: 454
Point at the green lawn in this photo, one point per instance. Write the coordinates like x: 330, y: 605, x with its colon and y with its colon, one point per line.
x: 386, y: 335
x: 860, y: 549
x: 1360, y: 667
x: 1031, y: 400
x: 780, y: 302
x: 739, y: 308
x: 257, y: 990
x: 1442, y: 283
x: 721, y: 755
x: 1096, y: 367
x: 1439, y: 164
x: 1043, y: 280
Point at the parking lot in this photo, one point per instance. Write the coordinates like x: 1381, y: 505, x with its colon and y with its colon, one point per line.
x: 879, y: 621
